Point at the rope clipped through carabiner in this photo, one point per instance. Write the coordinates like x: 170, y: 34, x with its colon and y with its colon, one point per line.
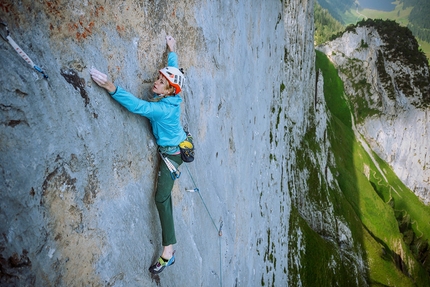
x: 20, y: 51
x: 174, y: 172
x: 219, y: 230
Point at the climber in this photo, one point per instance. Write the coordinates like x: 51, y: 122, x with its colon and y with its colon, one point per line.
x: 163, y: 112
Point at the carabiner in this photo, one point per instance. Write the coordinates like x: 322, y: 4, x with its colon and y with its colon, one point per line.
x: 175, y: 174
x: 37, y: 68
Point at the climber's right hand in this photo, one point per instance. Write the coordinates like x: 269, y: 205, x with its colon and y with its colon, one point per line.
x: 171, y: 43
x: 102, y: 80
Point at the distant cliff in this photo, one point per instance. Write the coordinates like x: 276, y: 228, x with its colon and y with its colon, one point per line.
x: 387, y: 79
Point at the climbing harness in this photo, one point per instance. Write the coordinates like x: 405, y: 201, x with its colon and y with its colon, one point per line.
x: 174, y: 172
x: 19, y: 50
x: 219, y: 230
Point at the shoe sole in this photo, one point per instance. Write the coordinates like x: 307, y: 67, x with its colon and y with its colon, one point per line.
x: 161, y: 270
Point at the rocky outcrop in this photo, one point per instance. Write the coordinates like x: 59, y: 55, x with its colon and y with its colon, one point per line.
x: 389, y: 92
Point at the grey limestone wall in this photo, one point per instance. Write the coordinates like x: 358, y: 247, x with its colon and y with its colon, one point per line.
x: 77, y: 170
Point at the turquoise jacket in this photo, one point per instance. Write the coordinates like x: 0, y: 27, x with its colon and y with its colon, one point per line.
x: 163, y: 115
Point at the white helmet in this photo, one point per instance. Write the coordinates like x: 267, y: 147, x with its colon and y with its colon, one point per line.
x: 175, y: 77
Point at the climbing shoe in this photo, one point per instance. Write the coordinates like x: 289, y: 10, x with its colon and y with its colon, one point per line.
x: 161, y: 264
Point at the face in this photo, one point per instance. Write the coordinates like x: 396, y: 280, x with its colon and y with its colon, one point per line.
x: 160, y: 86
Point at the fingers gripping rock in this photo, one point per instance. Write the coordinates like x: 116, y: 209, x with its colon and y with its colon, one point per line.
x: 98, y: 77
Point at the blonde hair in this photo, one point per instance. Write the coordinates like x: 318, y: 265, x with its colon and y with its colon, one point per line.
x: 168, y: 87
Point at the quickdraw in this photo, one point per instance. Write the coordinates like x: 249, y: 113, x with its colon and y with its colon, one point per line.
x: 174, y: 172
x: 23, y: 55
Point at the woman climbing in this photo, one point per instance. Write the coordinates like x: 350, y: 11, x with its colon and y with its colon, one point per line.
x: 163, y: 112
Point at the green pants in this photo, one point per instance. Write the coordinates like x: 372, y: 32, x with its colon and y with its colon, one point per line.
x: 163, y: 199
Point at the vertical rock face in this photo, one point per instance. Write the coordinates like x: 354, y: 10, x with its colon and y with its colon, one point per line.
x: 78, y: 170
x: 391, y: 99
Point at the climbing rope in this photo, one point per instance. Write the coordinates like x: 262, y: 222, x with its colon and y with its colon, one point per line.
x: 23, y: 55
x: 219, y: 230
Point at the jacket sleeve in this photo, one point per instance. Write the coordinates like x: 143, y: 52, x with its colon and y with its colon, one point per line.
x: 172, y: 60
x: 136, y: 105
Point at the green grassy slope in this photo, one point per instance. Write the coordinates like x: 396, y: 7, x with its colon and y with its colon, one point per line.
x: 390, y: 226
x: 377, y: 196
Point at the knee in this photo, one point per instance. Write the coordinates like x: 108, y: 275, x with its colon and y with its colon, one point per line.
x: 161, y: 197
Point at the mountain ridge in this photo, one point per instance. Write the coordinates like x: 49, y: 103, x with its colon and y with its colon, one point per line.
x: 389, y: 93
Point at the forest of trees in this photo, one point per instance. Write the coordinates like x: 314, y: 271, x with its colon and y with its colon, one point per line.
x: 400, y: 42
x: 422, y: 34
x: 325, y: 25
x: 420, y: 13
x: 337, y: 7
x: 400, y: 45
x: 419, y: 22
